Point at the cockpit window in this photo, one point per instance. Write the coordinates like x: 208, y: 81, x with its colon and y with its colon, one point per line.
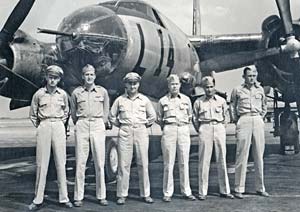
x: 136, y: 9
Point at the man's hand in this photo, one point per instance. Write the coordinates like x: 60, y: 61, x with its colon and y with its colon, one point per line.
x: 108, y: 126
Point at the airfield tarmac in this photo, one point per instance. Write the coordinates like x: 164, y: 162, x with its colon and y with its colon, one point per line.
x: 17, y: 178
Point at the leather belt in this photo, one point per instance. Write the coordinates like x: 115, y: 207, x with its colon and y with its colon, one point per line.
x: 52, y: 119
x: 133, y: 125
x: 180, y: 124
x: 249, y: 114
x: 212, y: 122
x: 90, y: 119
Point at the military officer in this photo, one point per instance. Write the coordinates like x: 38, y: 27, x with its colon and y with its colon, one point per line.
x: 90, y: 108
x: 132, y: 113
x: 210, y: 113
x: 248, y: 107
x: 174, y: 116
x: 49, y: 111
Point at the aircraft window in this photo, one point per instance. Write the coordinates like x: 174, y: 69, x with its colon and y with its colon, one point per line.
x: 136, y: 9
x: 158, y: 18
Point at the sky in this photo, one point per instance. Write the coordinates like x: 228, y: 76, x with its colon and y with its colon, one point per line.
x: 217, y: 17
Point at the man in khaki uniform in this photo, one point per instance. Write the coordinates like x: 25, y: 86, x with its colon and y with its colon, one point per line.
x: 210, y: 113
x: 49, y: 111
x: 248, y: 107
x: 174, y: 116
x: 132, y: 113
x: 90, y: 108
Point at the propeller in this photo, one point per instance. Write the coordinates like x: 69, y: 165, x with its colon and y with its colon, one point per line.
x: 15, y: 20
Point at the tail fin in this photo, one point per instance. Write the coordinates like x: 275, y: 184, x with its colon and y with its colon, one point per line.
x: 196, y: 18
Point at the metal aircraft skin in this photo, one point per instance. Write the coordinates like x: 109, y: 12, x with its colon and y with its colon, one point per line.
x: 129, y: 35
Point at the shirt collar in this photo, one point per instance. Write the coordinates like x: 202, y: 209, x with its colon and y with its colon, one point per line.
x: 213, y: 97
x: 137, y: 96
x: 92, y: 89
x: 256, y: 84
x: 178, y: 95
x: 55, y: 91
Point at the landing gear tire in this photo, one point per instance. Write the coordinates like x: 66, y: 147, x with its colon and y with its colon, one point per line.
x: 111, y: 163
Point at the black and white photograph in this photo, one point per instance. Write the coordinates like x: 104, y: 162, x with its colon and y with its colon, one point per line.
x: 149, y: 105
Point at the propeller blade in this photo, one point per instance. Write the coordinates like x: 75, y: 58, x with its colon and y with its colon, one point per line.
x: 286, y: 17
x: 237, y: 60
x: 15, y: 20
x: 10, y: 74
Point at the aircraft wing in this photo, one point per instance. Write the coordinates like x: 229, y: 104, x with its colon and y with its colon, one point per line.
x: 225, y: 52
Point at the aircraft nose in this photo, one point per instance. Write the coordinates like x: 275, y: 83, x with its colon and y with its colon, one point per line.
x: 100, y: 38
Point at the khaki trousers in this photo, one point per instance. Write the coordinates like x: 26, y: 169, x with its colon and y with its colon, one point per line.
x: 90, y: 134
x: 212, y: 136
x: 176, y: 139
x: 130, y: 139
x: 249, y: 129
x: 51, y: 134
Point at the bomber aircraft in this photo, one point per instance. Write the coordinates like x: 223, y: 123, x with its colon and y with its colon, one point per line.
x: 120, y: 36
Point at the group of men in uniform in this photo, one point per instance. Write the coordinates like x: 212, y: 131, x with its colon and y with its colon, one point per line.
x: 133, y: 113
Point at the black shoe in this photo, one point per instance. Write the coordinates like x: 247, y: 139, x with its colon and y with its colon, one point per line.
x: 34, y: 207
x: 67, y: 204
x: 167, y: 199
x: 262, y: 193
x: 148, y: 200
x: 201, y: 197
x: 227, y: 196
x: 121, y: 200
x: 103, y: 202
x: 238, y: 195
x: 78, y: 203
x: 190, y: 197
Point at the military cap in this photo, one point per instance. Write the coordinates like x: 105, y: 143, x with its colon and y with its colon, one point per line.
x: 54, y: 70
x: 88, y: 67
x: 207, y: 80
x: 132, y: 77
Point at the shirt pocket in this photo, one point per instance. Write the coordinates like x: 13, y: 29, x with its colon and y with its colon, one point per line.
x: 124, y: 113
x: 184, y: 107
x: 99, y: 99
x: 43, y: 102
x: 218, y: 109
x: 169, y: 111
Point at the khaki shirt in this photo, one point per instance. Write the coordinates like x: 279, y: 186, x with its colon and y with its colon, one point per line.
x: 45, y: 105
x: 174, y: 110
x: 210, y: 109
x: 90, y: 104
x: 138, y: 110
x: 245, y: 100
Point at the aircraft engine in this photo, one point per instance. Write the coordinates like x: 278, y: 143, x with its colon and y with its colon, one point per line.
x: 25, y: 58
x: 281, y: 68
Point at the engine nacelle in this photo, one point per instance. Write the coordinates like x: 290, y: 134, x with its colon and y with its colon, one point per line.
x: 27, y: 58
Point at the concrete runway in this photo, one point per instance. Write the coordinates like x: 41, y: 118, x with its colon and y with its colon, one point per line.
x: 17, y: 176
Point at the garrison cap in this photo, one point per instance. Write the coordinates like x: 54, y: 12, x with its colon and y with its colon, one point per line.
x: 88, y: 67
x: 207, y: 80
x: 132, y: 77
x: 54, y: 70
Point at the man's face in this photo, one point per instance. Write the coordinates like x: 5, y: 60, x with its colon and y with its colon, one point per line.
x: 52, y: 80
x: 209, y: 89
x: 174, y: 87
x: 250, y: 77
x: 132, y: 87
x: 89, y: 77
